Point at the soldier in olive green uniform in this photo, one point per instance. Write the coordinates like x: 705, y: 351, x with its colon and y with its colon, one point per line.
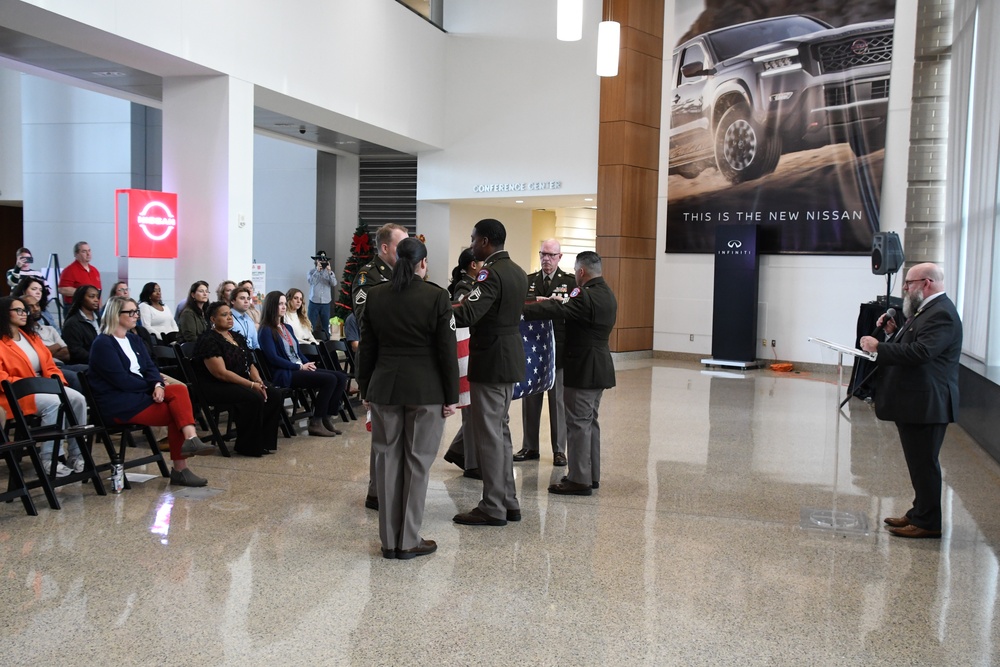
x: 551, y: 280
x: 408, y: 376
x: 375, y: 272
x: 590, y: 315
x: 462, y: 451
x: 496, y: 362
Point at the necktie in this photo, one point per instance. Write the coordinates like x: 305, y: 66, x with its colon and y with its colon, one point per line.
x: 546, y: 286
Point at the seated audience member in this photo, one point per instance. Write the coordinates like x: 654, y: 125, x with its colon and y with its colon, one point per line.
x: 120, y: 289
x: 129, y: 389
x: 242, y: 321
x: 22, y: 267
x: 192, y: 322
x: 297, y: 318
x: 154, y: 315
x: 224, y: 291
x: 33, y: 290
x: 228, y: 376
x: 82, y: 324
x: 23, y: 355
x: 351, y: 334
x: 290, y: 369
x: 254, y: 310
x: 78, y: 273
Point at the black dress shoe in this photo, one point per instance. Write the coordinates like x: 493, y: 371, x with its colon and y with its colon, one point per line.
x: 570, y: 489
x: 513, y: 515
x: 425, y: 547
x: 477, y: 517
x: 371, y: 502
x: 456, y: 459
x: 526, y: 455
x: 593, y: 485
x: 559, y: 459
x: 473, y: 473
x: 388, y: 553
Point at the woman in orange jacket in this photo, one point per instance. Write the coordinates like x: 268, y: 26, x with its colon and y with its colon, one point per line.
x: 24, y: 355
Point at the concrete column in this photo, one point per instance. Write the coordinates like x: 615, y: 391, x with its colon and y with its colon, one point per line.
x: 924, y: 240
x: 208, y: 162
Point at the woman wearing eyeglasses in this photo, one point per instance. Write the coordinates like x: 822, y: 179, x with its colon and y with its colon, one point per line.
x: 129, y: 389
x: 24, y: 355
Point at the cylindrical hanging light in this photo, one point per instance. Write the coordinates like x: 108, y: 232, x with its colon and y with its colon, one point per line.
x: 608, y: 43
x: 569, y: 20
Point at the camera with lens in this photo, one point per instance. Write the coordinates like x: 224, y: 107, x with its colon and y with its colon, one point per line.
x: 322, y: 259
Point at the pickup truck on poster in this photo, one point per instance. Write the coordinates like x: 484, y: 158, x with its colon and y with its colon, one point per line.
x: 744, y: 95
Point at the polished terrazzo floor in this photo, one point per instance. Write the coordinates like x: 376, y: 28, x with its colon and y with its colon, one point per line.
x: 708, y: 543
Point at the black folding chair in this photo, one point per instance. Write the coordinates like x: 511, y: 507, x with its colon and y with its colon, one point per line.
x: 208, y: 414
x: 16, y: 486
x: 165, y: 358
x: 28, y: 427
x: 302, y: 399
x: 125, y: 431
x: 330, y: 352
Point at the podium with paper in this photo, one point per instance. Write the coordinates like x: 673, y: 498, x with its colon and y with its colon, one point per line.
x: 841, y: 350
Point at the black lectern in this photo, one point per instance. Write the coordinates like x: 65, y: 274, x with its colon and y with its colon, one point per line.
x: 734, y: 319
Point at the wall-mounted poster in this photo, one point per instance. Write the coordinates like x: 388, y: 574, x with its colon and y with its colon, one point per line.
x: 778, y: 118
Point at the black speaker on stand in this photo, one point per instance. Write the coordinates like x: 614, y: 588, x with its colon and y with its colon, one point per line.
x: 887, y: 257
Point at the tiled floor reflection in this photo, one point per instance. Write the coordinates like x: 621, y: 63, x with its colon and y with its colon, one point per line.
x: 690, y: 553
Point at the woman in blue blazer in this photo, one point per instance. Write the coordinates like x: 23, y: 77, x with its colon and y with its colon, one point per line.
x: 289, y: 368
x: 129, y: 389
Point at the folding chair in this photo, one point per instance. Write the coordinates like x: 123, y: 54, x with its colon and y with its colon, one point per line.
x: 125, y: 431
x: 28, y: 427
x: 302, y: 399
x: 206, y: 412
x: 16, y: 486
x: 165, y: 358
x: 330, y: 354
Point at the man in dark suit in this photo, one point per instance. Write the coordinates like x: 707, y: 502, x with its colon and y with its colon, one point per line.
x: 590, y: 315
x: 550, y: 280
x: 917, y: 387
x: 492, y: 310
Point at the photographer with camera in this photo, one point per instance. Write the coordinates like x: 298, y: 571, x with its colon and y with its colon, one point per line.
x: 22, y: 267
x: 321, y: 284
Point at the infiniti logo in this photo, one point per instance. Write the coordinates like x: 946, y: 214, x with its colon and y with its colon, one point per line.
x: 735, y: 244
x: 859, y: 47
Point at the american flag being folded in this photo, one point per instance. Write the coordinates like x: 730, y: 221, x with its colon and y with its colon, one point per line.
x: 539, y: 343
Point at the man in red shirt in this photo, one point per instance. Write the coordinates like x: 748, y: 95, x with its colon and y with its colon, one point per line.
x: 80, y: 272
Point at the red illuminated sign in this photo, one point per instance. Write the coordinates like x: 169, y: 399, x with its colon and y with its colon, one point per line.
x: 152, y: 223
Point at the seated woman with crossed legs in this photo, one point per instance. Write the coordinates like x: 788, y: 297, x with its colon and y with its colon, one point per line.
x: 129, y: 389
x: 281, y: 349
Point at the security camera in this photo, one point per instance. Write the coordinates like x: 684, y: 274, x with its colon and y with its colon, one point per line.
x: 302, y: 129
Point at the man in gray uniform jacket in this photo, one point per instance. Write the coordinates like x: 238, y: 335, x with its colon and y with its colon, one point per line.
x: 492, y: 310
x: 590, y: 315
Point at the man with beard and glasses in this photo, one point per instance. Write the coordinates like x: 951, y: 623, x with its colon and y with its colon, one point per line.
x: 917, y: 387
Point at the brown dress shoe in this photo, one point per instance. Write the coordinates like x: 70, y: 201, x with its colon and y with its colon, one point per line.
x: 916, y: 532
x: 559, y: 459
x: 897, y: 522
x: 568, y: 488
x: 477, y: 517
x: 425, y: 547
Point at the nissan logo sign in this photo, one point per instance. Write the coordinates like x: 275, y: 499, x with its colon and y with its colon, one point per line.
x: 859, y: 47
x: 156, y: 227
x: 735, y: 244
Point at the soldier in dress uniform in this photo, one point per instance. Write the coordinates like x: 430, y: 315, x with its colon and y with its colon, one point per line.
x: 590, y: 315
x: 408, y: 377
x: 462, y: 451
x: 496, y: 362
x: 376, y: 272
x: 549, y: 281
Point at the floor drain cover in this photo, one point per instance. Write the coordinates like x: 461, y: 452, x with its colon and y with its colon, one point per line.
x: 811, y: 518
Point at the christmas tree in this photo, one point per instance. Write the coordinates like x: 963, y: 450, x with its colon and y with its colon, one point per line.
x: 361, y: 254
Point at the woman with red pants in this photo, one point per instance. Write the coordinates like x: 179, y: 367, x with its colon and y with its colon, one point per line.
x: 129, y: 389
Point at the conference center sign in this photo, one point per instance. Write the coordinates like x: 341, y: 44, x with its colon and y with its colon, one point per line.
x: 151, y: 229
x: 778, y: 120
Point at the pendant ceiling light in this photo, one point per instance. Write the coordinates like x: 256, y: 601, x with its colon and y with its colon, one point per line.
x: 608, y: 43
x: 569, y: 20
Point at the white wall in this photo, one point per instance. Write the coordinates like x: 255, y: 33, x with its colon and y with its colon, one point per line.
x: 517, y: 222
x: 284, y: 212
x: 520, y: 106
x: 375, y: 64
x: 11, y: 182
x: 801, y: 296
x: 77, y: 152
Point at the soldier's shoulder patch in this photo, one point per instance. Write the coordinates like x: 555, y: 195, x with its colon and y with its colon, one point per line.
x: 453, y: 327
x: 483, y: 275
x: 473, y: 295
x: 362, y: 278
x: 575, y: 292
x: 361, y: 297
